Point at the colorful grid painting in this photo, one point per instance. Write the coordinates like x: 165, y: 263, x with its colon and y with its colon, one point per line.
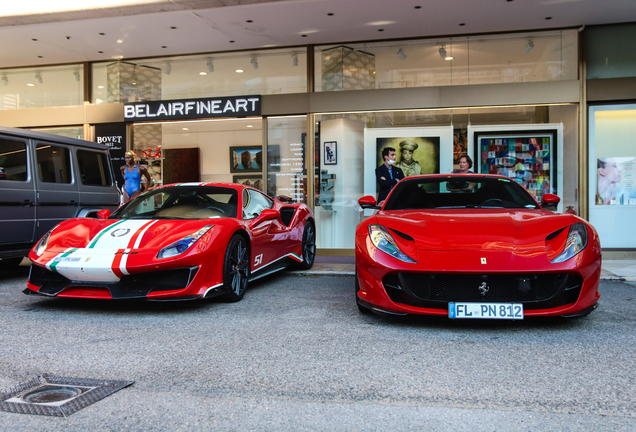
x: 526, y: 160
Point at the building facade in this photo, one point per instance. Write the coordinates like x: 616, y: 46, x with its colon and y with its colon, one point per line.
x: 555, y: 110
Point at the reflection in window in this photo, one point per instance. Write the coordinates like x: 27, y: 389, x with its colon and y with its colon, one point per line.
x: 13, y: 160
x: 54, y: 164
x: 93, y: 168
x: 254, y: 203
x: 198, y: 76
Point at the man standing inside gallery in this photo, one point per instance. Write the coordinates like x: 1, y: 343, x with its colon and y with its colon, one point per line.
x: 408, y: 166
x: 387, y: 174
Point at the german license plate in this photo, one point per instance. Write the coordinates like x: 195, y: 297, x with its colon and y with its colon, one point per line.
x: 513, y: 311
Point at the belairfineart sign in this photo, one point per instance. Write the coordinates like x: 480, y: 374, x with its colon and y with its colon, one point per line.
x: 179, y: 109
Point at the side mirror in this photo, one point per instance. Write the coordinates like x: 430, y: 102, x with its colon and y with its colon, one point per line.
x: 267, y: 214
x: 550, y: 200
x: 103, y: 214
x: 367, y: 202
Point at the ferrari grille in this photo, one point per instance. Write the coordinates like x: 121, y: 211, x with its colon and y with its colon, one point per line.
x: 437, y: 290
x: 137, y: 285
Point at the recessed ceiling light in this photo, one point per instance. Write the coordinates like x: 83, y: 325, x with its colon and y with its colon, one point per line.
x: 418, y: 7
x: 102, y: 34
x: 120, y: 41
x: 548, y: 18
x: 185, y: 129
x: 173, y: 28
x: 250, y: 126
x: 330, y: 14
x: 203, y: 73
x: 163, y: 46
x: 462, y: 24
x: 34, y: 40
x: 239, y: 71
x: 304, y: 35
x: 231, y: 41
x: 380, y: 29
x: 100, y: 52
x: 380, y: 23
x: 31, y: 85
x: 40, y: 57
x: 249, y: 21
x: 100, y: 87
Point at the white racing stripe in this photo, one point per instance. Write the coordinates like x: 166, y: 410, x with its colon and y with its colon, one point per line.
x: 95, y: 262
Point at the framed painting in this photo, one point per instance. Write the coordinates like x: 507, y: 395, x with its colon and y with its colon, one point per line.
x: 331, y: 154
x: 246, y: 159
x: 255, y: 181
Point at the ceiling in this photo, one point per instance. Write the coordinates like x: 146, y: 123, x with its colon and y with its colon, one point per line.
x: 170, y: 27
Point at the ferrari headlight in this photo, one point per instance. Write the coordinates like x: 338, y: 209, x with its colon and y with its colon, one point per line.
x: 43, y: 243
x: 383, y: 241
x: 576, y: 242
x: 182, y: 245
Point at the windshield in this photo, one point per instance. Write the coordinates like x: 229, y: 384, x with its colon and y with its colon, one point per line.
x: 181, y: 202
x: 459, y: 192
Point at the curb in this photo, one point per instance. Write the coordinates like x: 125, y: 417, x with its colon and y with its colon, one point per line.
x: 321, y: 273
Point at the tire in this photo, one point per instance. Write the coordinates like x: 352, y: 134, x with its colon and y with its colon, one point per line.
x: 10, y: 263
x: 363, y: 310
x: 308, y: 247
x: 236, y: 269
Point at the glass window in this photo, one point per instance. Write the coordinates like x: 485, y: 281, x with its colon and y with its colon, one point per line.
x: 286, y: 162
x: 612, y: 168
x: 223, y: 74
x: 54, y: 164
x: 41, y: 87
x: 611, y: 51
x: 521, y: 57
x: 182, y: 202
x: 13, y: 160
x: 69, y: 132
x: 254, y: 203
x: 93, y: 168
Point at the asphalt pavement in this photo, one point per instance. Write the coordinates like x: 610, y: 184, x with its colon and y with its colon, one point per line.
x: 295, y: 354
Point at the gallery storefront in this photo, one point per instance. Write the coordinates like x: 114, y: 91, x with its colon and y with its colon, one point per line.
x: 209, y: 118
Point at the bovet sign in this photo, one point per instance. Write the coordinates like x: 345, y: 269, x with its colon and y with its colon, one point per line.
x: 233, y: 106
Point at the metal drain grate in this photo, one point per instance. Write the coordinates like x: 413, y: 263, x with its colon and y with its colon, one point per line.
x: 57, y: 396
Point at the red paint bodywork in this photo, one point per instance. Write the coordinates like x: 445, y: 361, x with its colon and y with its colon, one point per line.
x: 267, y: 236
x: 456, y: 240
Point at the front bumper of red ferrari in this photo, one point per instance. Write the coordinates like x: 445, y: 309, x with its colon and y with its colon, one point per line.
x: 425, y: 288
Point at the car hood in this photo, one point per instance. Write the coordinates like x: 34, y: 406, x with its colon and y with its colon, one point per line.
x: 476, y: 229
x: 123, y: 233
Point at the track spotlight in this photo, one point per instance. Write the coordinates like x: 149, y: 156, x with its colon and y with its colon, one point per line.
x: 168, y: 69
x: 401, y: 54
x: 76, y: 74
x: 254, y: 62
x: 38, y: 77
x: 442, y: 52
x: 210, y: 66
x: 294, y: 59
x: 5, y: 79
x: 133, y: 78
x: 529, y: 45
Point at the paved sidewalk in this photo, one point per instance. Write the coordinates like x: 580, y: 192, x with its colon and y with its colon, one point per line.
x: 613, y: 269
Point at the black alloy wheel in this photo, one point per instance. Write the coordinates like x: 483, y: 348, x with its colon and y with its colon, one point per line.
x: 236, y: 269
x: 362, y: 309
x: 308, y: 247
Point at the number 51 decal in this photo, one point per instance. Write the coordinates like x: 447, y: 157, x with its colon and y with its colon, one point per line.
x: 258, y: 260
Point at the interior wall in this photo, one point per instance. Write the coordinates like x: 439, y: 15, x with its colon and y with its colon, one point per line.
x: 214, y: 141
x: 568, y: 115
x: 336, y: 221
